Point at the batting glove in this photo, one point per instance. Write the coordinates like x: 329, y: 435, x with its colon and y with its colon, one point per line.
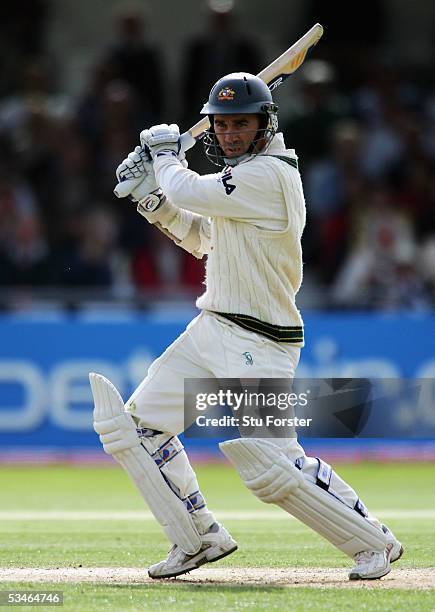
x: 136, y: 176
x: 163, y: 139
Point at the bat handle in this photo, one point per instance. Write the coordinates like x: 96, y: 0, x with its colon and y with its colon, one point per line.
x: 123, y: 189
x: 187, y: 141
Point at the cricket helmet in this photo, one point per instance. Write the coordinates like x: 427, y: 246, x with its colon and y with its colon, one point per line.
x: 240, y: 93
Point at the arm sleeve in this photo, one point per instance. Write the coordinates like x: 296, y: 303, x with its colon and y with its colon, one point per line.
x: 188, y: 230
x: 245, y: 192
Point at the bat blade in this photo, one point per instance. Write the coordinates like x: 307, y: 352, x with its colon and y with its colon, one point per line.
x: 273, y: 75
x: 287, y: 63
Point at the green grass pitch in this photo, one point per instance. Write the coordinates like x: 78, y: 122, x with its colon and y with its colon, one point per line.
x: 36, y: 531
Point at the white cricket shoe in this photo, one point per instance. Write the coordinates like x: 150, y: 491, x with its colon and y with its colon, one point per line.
x: 216, y: 544
x: 371, y: 565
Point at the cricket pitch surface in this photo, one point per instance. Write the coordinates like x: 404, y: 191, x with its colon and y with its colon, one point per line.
x: 291, y: 577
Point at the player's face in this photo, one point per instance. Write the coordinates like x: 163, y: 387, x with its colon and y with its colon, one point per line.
x: 235, y: 133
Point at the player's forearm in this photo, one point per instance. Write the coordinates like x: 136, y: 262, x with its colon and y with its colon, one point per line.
x: 182, y: 186
x: 188, y: 230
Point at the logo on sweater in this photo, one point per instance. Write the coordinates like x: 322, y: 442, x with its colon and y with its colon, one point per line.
x: 249, y: 359
x: 226, y: 177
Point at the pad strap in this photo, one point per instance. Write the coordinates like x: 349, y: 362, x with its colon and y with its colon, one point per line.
x: 324, y: 474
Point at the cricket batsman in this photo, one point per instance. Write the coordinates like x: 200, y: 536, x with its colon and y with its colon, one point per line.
x: 248, y: 220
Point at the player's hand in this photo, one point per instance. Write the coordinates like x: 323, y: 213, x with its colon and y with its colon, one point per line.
x: 136, y: 176
x: 163, y: 139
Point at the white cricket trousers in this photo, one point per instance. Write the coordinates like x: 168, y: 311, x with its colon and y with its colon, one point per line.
x: 210, y: 347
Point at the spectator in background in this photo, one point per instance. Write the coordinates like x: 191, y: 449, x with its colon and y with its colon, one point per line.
x: 92, y: 257
x: 73, y: 178
x: 36, y: 90
x: 414, y: 180
x: 24, y: 249
x: 319, y: 108
x: 384, y: 147
x: 16, y: 197
x: 407, y: 289
x: 28, y: 119
x: 380, y: 270
x: 332, y: 184
x: 109, y: 118
x: 220, y: 49
x: 119, y: 128
x: 135, y: 61
x: 25, y: 254
x: 88, y: 112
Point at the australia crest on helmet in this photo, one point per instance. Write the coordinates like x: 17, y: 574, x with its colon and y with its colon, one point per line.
x: 226, y: 93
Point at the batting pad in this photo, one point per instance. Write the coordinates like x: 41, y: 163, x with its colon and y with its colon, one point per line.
x: 265, y: 469
x: 119, y: 437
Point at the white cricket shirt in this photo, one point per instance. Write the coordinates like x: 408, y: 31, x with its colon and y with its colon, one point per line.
x: 257, y: 212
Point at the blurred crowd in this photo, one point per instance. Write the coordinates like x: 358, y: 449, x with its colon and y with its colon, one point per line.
x: 362, y: 125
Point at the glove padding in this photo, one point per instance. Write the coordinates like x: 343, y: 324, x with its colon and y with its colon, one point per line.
x: 136, y: 176
x: 163, y: 139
